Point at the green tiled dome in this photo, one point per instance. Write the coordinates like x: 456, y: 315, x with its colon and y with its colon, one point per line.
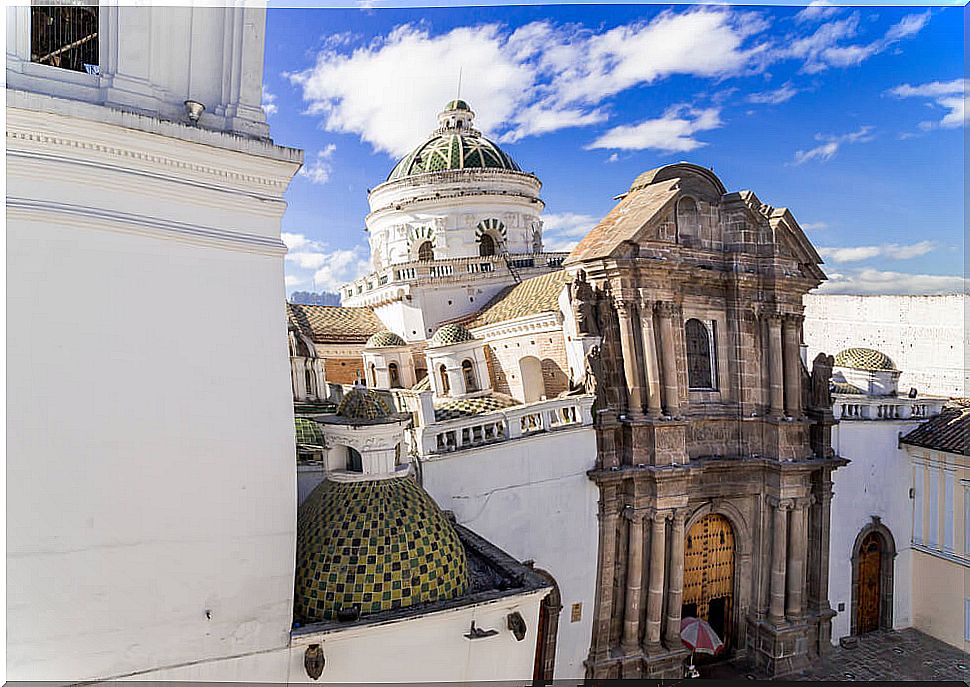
x: 450, y: 334
x: 454, y: 148
x: 308, y: 432
x: 385, y: 339
x: 864, y: 359
x: 377, y: 545
x: 363, y: 404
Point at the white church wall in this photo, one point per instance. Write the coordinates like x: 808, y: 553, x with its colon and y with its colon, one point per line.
x: 924, y: 335
x: 400, y: 652
x: 151, y: 509
x: 532, y: 498
x: 876, y: 482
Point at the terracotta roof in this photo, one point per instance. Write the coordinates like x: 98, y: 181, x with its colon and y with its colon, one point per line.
x: 333, y: 324
x: 949, y: 431
x: 624, y: 221
x: 530, y: 297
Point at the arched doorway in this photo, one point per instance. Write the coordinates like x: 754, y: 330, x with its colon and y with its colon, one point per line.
x: 709, y: 574
x: 547, y: 630
x: 533, y: 387
x: 486, y: 246
x: 872, y: 579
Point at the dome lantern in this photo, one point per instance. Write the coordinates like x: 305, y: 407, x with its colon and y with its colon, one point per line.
x: 457, y: 116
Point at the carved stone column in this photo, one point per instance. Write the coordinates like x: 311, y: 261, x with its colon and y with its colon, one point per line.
x: 675, y: 594
x: 779, y: 555
x: 793, y: 365
x: 299, y: 380
x: 608, y: 517
x: 655, y: 592
x: 626, y: 310
x: 634, y: 580
x: 796, y: 560
x: 668, y: 359
x: 320, y: 370
x: 775, y: 367
x: 650, y: 359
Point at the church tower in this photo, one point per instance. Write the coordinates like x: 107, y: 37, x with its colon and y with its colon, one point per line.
x: 151, y: 480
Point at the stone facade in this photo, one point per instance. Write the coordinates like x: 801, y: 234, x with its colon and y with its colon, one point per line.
x: 697, y: 295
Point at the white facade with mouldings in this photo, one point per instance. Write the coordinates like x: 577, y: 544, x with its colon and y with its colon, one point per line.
x: 151, y: 510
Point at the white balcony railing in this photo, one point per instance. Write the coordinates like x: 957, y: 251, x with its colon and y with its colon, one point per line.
x: 855, y: 407
x: 525, y: 265
x: 507, y: 424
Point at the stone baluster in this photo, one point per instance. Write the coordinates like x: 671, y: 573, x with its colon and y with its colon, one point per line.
x: 668, y: 359
x: 655, y: 591
x: 796, y: 560
x: 675, y: 594
x: 779, y: 559
x: 634, y: 581
x: 775, y: 367
x: 791, y: 328
x: 626, y: 311
x: 651, y: 360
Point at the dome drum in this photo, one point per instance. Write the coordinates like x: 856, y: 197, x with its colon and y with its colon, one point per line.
x: 866, y: 369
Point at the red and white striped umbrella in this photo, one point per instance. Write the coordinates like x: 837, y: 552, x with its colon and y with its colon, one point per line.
x: 698, y: 636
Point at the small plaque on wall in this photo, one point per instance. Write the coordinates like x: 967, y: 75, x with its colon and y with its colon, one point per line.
x: 576, y: 613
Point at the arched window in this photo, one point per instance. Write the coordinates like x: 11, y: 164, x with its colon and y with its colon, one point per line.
x: 700, y: 358
x: 395, y: 376
x: 468, y: 372
x: 426, y: 251
x: 533, y: 386
x: 486, y: 246
x: 445, y: 386
x: 373, y: 374
x: 354, y: 462
x: 308, y: 376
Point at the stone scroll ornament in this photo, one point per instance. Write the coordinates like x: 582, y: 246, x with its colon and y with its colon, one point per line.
x: 314, y: 661
x: 583, y: 299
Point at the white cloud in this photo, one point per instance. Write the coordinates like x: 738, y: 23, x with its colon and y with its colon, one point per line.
x: 673, y: 132
x: 775, y: 97
x: 830, y: 145
x: 269, y: 103
x: 893, y: 251
x: 827, y: 46
x: 814, y: 226
x: 949, y: 95
x: 817, y: 10
x: 312, y: 262
x: 318, y: 171
x: 562, y: 231
x: 537, y: 79
x: 871, y: 281
x: 614, y: 157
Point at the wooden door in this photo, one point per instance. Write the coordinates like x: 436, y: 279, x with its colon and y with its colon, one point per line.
x: 709, y: 573
x: 870, y: 569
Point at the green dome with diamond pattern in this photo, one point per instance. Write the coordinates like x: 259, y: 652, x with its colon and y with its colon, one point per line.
x: 376, y: 545
x: 454, y: 147
x: 385, y: 339
x: 864, y: 359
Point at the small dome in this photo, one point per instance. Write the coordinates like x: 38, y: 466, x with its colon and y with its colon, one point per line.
x: 385, y: 339
x: 308, y: 432
x: 455, y: 145
x: 361, y: 403
x: 376, y: 545
x: 864, y: 359
x: 450, y: 334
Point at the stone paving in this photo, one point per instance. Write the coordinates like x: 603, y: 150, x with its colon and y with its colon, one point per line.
x: 884, y: 656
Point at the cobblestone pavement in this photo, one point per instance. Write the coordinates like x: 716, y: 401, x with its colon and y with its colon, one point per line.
x: 888, y: 656
x: 903, y: 655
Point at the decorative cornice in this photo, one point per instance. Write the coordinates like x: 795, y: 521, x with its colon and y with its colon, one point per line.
x: 111, y: 220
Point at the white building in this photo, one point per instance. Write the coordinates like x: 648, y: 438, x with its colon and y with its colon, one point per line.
x: 871, y: 582
x: 925, y: 335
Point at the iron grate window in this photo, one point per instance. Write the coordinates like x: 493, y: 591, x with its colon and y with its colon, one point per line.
x: 65, y: 36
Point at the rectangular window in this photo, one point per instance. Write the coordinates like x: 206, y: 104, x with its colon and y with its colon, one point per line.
x: 948, y: 514
x: 918, y: 503
x: 933, y: 536
x: 65, y: 35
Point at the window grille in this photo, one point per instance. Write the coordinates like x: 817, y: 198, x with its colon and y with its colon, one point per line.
x: 65, y: 36
x: 700, y: 355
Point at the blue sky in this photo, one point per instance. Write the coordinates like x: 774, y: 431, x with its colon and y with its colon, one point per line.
x: 851, y: 117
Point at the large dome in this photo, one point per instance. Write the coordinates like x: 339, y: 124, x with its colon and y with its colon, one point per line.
x: 376, y: 545
x: 455, y: 145
x: 864, y: 359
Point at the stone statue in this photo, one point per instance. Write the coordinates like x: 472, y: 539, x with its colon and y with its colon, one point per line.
x: 590, y: 382
x: 581, y: 295
x: 822, y: 381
